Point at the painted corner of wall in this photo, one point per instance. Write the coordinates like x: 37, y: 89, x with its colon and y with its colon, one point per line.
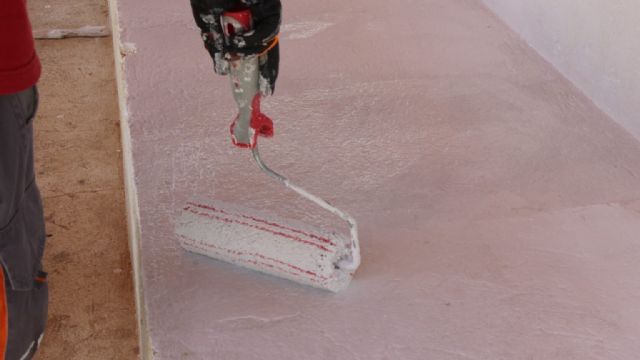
x: 120, y: 50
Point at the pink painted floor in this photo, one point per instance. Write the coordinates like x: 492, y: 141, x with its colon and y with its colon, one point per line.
x: 499, y: 208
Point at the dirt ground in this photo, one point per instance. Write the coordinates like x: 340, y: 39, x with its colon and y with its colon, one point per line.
x: 78, y: 160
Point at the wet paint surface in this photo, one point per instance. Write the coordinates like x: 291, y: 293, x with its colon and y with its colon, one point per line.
x: 498, y: 207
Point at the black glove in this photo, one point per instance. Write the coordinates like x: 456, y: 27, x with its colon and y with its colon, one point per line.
x: 266, y: 15
x: 261, y: 40
x: 207, y: 17
x: 214, y: 43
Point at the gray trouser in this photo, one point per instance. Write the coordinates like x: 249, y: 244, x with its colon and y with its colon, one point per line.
x: 23, y: 303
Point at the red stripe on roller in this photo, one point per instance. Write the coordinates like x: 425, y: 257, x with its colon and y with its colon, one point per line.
x: 241, y: 253
x: 301, y: 271
x: 227, y: 220
x: 317, y: 237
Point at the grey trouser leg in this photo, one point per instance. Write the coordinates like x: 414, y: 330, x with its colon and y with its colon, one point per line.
x: 22, y: 234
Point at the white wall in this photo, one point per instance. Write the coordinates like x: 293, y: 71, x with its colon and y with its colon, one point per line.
x: 594, y: 43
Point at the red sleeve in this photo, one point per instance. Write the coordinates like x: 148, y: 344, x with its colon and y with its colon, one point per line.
x: 19, y: 64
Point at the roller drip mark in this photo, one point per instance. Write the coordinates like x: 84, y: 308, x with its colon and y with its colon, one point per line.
x: 313, y: 236
x: 207, y: 247
x: 287, y: 236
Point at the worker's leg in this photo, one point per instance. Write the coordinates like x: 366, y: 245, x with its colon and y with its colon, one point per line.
x: 24, y: 293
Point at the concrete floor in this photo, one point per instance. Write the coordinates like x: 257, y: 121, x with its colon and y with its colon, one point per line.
x: 499, y: 208
x: 78, y: 160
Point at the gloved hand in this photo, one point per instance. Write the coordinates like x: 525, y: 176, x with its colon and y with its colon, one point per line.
x: 262, y: 40
x: 214, y: 43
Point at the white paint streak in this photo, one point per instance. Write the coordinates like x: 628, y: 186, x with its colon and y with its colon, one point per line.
x: 258, y: 320
x: 303, y: 30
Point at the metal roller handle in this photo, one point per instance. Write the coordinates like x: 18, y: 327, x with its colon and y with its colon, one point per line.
x: 351, y: 263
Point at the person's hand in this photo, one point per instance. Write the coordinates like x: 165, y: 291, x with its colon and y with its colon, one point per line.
x: 213, y: 40
x: 266, y: 17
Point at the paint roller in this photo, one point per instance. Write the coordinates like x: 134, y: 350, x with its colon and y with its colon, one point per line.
x: 259, y: 240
